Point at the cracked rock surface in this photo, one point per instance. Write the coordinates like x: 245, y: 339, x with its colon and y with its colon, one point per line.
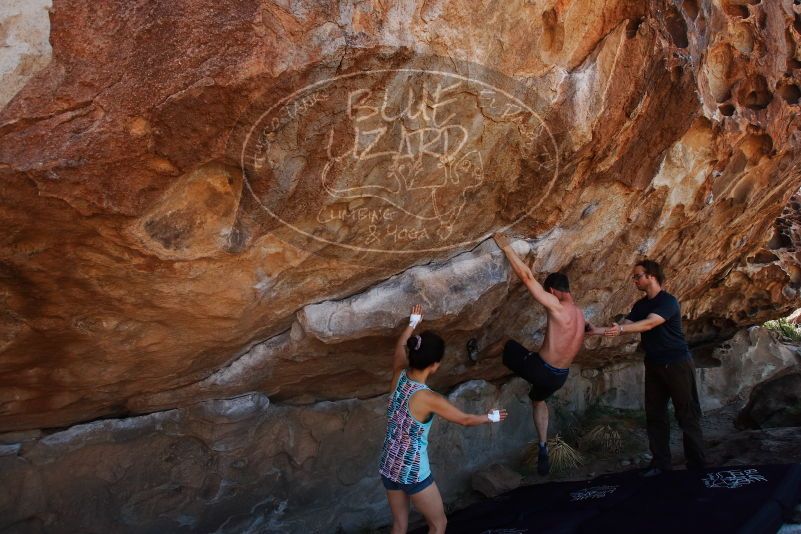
x: 141, y: 263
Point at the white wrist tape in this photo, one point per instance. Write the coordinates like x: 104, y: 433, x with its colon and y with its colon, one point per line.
x: 494, y: 416
x: 415, y: 319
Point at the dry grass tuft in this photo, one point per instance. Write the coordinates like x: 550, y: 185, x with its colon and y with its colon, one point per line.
x: 604, y: 437
x: 563, y: 457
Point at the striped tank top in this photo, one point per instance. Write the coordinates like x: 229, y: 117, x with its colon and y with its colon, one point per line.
x: 404, y: 458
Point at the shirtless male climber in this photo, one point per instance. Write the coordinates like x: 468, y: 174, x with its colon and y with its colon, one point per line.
x: 564, y: 336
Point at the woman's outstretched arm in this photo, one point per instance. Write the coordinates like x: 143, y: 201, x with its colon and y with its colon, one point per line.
x: 433, y: 402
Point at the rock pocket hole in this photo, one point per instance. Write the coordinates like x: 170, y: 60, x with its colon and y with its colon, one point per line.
x: 779, y: 240
x: 691, y: 8
x: 733, y: 9
x: 762, y: 20
x: 677, y: 28
x: 797, y: 23
x: 727, y: 110
x: 790, y: 93
x: 632, y: 27
x: 755, y: 94
x: 758, y: 99
x: 763, y: 257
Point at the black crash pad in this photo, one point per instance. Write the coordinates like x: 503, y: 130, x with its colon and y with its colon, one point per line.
x: 743, y: 499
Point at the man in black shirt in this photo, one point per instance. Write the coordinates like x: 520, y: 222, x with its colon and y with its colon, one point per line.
x: 669, y: 368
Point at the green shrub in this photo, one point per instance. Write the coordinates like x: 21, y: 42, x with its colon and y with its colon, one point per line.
x: 784, y: 329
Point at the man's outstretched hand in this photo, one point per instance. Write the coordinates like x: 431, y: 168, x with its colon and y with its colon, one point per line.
x: 502, y: 240
x: 613, y: 330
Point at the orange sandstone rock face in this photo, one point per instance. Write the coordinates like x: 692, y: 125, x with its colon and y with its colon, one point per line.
x: 202, y: 200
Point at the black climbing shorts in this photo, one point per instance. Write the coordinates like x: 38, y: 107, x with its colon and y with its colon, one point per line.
x: 544, y: 379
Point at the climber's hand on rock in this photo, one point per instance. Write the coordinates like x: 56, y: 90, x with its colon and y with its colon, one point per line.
x: 502, y: 240
x: 416, y: 317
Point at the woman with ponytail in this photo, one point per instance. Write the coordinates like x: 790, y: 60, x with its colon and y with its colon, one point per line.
x: 404, y: 467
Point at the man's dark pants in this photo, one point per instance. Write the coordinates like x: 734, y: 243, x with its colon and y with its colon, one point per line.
x: 674, y: 381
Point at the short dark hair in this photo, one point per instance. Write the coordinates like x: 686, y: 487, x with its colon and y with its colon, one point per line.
x: 557, y: 281
x: 653, y: 268
x: 425, y: 349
